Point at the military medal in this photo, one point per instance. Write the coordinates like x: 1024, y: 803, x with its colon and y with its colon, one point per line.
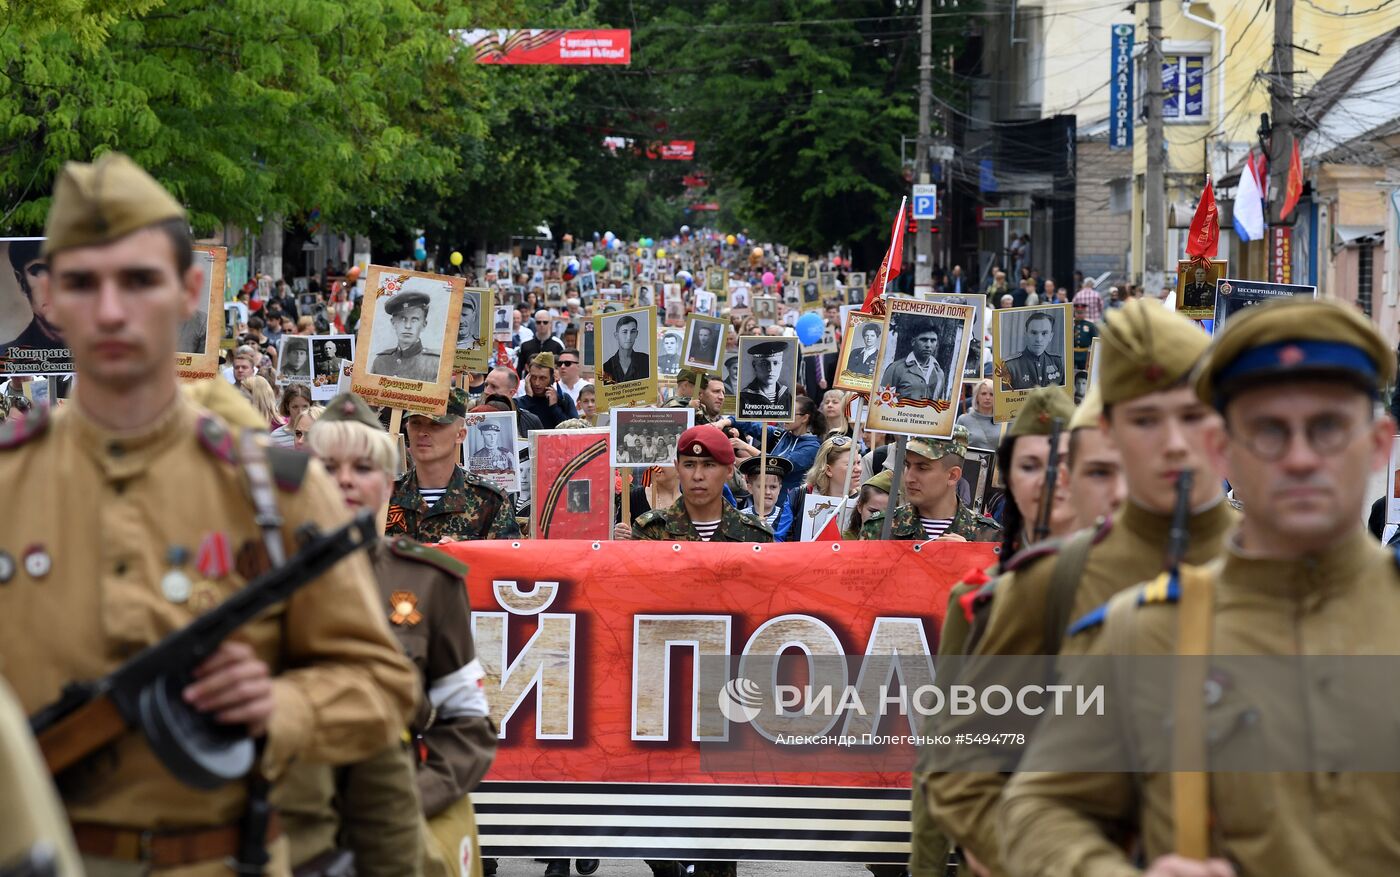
x: 175, y: 584
x: 405, y: 608
x: 203, y: 597
x: 214, y: 559
x: 37, y: 562
x: 7, y: 567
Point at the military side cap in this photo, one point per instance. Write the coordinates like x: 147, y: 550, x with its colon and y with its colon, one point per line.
x: 456, y: 406
x: 1087, y: 415
x: 407, y: 300
x: 1146, y: 349
x: 101, y: 202
x: 776, y: 466
x: 936, y: 449
x: 882, y: 481
x: 543, y: 359
x: 350, y: 408
x: 768, y: 348
x: 490, y: 426
x: 1042, y: 408
x: 706, y: 442
x: 688, y: 375
x: 1294, y: 339
x: 225, y: 400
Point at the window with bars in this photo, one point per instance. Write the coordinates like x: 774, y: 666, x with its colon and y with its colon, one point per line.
x: 1365, y: 264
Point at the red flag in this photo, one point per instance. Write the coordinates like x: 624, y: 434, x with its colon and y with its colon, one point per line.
x: 889, y: 268
x: 1204, y: 238
x: 832, y: 531
x: 1260, y: 168
x: 1294, y: 189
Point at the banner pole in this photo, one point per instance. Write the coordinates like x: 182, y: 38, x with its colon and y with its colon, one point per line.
x: 762, y: 469
x: 626, y: 472
x: 395, y: 425
x: 897, y: 476
x: 846, y: 506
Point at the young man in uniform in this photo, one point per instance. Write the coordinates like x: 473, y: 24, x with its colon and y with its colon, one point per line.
x: 138, y: 518
x: 1158, y: 424
x: 705, y: 462
x: 1297, y: 382
x: 439, y: 501
x: 932, y: 470
x: 1096, y: 485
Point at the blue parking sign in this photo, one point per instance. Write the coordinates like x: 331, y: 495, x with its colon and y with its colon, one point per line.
x: 925, y: 202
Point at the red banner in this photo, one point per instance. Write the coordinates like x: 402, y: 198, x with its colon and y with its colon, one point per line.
x: 1281, y: 245
x: 538, y: 46
x: 675, y: 150
x: 592, y: 653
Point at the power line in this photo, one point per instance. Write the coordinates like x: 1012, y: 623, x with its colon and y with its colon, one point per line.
x: 1379, y: 6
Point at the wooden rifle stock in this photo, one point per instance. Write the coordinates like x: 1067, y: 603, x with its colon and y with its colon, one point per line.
x: 1052, y: 477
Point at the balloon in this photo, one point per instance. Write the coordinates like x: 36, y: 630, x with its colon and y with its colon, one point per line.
x: 661, y: 253
x: 455, y: 258
x: 769, y: 279
x: 685, y: 229
x: 353, y: 274
x: 809, y: 328
x: 571, y: 268
x: 686, y: 278
x: 420, y: 254
x: 608, y: 236
x: 731, y: 240
x: 600, y: 262
x: 743, y: 240
x: 758, y: 252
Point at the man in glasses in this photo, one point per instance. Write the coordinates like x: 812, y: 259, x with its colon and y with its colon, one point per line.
x: 1297, y: 382
x: 570, y: 371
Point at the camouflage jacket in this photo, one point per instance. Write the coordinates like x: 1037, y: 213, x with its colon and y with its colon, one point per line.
x: 689, y: 402
x: 906, y: 525
x: 471, y: 509
x: 672, y: 524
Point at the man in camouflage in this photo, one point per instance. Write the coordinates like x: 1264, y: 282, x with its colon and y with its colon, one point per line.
x: 469, y: 507
x: 708, y: 398
x: 932, y: 470
x: 705, y: 461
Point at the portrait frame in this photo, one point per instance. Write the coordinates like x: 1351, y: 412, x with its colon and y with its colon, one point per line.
x: 1233, y: 296
x: 418, y: 396
x: 639, y: 385
x: 858, y: 381
x: 327, y: 376
x: 662, y: 334
x: 973, y: 369
x: 285, y: 346
x: 499, y: 465
x: 765, y: 310
x: 476, y: 355
x: 979, y: 473
x: 664, y: 427
x: 900, y: 401
x: 564, y: 460
x: 197, y: 365
x: 1185, y: 272
x: 688, y: 359
x: 750, y: 404
x: 53, y: 355
x: 1008, y: 331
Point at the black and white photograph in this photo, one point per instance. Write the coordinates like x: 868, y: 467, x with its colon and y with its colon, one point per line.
x: 920, y: 367
x: 765, y: 310
x: 973, y: 370
x: 588, y: 284
x: 626, y: 361
x: 489, y: 451
x: 978, y: 473
x: 578, y: 499
x: 331, y: 356
x: 647, y: 436
x: 739, y: 298
x: 731, y: 376
x: 1032, y: 346
x: 716, y: 281
x: 646, y: 295
x: 469, y: 322
x: 811, y: 295
x: 410, y: 328
x: 797, y: 267
x: 668, y: 362
x: 860, y: 353
x: 294, y: 359
x: 704, y: 342
x: 554, y: 292
x: 856, y: 280
x: 500, y: 322
x: 704, y: 302
x: 767, y: 378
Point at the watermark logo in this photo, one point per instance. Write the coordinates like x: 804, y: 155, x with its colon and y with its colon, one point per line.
x: 741, y: 700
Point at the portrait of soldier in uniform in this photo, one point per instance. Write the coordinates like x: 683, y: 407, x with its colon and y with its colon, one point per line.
x: 768, y: 372
x: 922, y: 372
x: 669, y: 362
x: 411, y: 357
x: 469, y: 324
x: 704, y: 345
x: 1199, y: 292
x: 296, y: 359
x: 1037, y: 364
x: 861, y: 360
x: 330, y: 355
x: 490, y: 456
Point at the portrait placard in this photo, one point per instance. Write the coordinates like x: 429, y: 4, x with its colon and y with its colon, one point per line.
x: 475, y: 326
x: 1032, y: 346
x: 587, y: 332
x: 717, y: 281
x: 668, y: 361
x: 740, y: 298
x: 626, y: 370
x: 571, y: 485
x: 704, y: 302
x: 860, y: 353
x: 233, y: 317
x: 294, y: 360
x: 500, y: 322
x: 1233, y: 296
x: 704, y: 342
x: 197, y: 350
x: 332, y: 361
x: 797, y: 267
x: 856, y: 280
x: 921, y: 364
x: 765, y: 310
x: 489, y: 451
x: 1195, y: 288
x: 404, y: 324
x: 29, y: 344
x: 731, y: 382
x: 811, y: 294
x: 767, y: 378
x: 647, y: 436
x: 826, y: 283
x: 973, y: 370
x: 978, y: 471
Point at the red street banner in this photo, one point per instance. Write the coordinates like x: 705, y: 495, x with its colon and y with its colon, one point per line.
x: 676, y: 150
x: 538, y: 46
x: 617, y: 740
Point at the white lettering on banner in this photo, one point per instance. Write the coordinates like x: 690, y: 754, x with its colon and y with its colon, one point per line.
x: 652, y: 639
x: 814, y: 638
x: 546, y: 664
x: 905, y: 642
x: 518, y: 602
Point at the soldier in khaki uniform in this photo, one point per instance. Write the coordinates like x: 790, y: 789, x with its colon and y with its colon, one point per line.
x: 32, y: 825
x: 425, y: 600
x: 137, y: 517
x: 705, y: 460
x: 1159, y: 426
x: 932, y: 468
x: 1297, y: 382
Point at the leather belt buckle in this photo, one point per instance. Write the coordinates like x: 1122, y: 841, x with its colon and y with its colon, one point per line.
x: 132, y: 846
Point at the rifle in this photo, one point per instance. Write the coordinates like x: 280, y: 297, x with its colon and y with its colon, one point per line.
x: 145, y: 692
x: 1179, y: 536
x: 1052, y: 476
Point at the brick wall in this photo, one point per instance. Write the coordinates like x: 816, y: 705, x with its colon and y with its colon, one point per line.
x: 1101, y: 238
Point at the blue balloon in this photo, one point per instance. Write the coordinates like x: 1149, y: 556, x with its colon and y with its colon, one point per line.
x: 809, y: 328
x: 420, y: 254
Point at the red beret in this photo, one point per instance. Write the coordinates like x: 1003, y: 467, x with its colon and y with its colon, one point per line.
x: 707, y: 442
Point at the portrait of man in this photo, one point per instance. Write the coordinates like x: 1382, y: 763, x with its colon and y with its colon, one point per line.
x: 862, y: 360
x: 1199, y: 291
x: 328, y: 359
x: 1037, y: 365
x: 765, y: 310
x: 501, y: 319
x: 767, y: 390
x: 22, y: 324
x: 731, y: 375
x: 627, y: 363
x: 296, y: 359
x: 579, y: 500
x: 194, y: 332
x: 811, y: 293
x: 488, y: 454
x: 645, y: 297
x: 740, y: 298
x: 469, y: 324
x: 409, y: 358
x: 704, y: 345
x: 918, y: 374
x: 669, y: 361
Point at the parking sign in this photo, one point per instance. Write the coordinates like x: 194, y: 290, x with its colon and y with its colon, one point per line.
x: 925, y: 202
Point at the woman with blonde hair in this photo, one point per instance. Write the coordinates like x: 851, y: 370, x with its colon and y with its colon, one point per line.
x: 984, y: 432
x: 306, y: 325
x: 301, y: 425
x: 834, y: 410
x: 259, y: 392
x: 826, y: 476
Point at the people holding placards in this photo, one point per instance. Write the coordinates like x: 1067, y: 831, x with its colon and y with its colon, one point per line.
x: 705, y: 461
x: 932, y: 470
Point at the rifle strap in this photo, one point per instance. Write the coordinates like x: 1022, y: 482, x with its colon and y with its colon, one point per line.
x: 1191, y: 787
x: 252, y: 454
x: 1064, y: 583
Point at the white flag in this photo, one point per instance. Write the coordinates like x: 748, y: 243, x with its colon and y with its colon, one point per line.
x: 1249, y: 206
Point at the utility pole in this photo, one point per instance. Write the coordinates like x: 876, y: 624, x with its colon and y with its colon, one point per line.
x: 1154, y: 214
x: 923, y: 241
x: 1281, y: 106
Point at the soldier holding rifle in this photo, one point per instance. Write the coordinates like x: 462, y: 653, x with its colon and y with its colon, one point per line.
x: 131, y: 514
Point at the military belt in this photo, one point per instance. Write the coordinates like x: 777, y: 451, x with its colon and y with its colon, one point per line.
x: 163, y: 849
